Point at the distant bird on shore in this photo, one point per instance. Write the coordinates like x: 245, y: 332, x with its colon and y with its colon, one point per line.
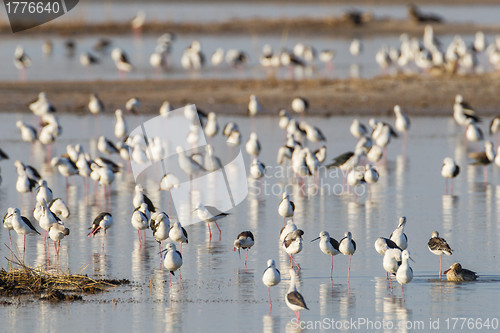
x: 95, y: 105
x: 438, y: 246
x: 300, y: 105
x: 21, y: 59
x: 121, y: 60
x: 254, y: 106
x: 88, y: 59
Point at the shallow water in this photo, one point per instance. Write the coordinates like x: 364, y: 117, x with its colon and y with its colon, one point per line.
x: 60, y: 66
x: 218, y: 293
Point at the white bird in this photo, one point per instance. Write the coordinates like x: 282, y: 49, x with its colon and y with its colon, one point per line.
x: 57, y: 231
x: 210, y: 214
x: 28, y: 133
x: 439, y: 246
x: 102, y: 222
x: 21, y: 59
x: 165, y: 108
x: 120, y: 125
x: 271, y: 277
x: 252, y: 146
x: 217, y: 57
x: 42, y: 105
x: 254, y: 106
x: 187, y: 163
x: 288, y: 228
x: 293, y: 245
x: 178, y: 234
x: 284, y: 119
x: 286, y: 207
x: 355, y: 47
x: 7, y: 222
x: 347, y: 246
x: 21, y: 225
x: 257, y: 169
x: 300, y: 105
x: 140, y: 220
x: 328, y: 246
x: 133, y: 104
x: 473, y: 133
x: 383, y: 244
x: 293, y: 299
x: 140, y: 197
x: 172, y: 259
x: 404, y: 274
x: 357, y: 129
x: 46, y: 217
x: 245, y: 240
x: 398, y: 236
x: 43, y: 191
x: 106, y: 146
x: 450, y: 169
x: 87, y: 59
x: 59, y: 208
x: 371, y: 174
x: 168, y: 182
x: 391, y: 262
x: 211, y: 127
x: 402, y: 122
x: 160, y: 225
x: 121, y: 60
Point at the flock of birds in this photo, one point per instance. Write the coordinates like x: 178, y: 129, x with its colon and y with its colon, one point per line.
x: 51, y: 211
x: 427, y: 54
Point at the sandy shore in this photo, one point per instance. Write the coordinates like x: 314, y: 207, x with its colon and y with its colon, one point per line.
x: 416, y: 94
x: 342, y: 26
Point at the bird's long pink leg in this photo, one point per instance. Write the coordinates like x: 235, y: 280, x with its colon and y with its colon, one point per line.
x: 295, y: 263
x: 440, y: 269
x: 349, y: 268
x: 331, y: 270
x: 403, y: 292
x: 269, y: 292
x: 220, y: 232
x: 209, y: 230
x: 390, y: 283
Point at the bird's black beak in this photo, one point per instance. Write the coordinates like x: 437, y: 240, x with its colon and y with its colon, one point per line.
x: 315, y: 239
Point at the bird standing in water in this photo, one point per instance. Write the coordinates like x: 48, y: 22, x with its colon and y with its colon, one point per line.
x: 271, y: 277
x: 438, y: 246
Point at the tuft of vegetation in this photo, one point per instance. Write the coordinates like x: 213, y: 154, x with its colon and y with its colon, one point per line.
x: 24, y: 280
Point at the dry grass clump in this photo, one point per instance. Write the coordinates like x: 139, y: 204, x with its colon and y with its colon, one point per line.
x: 25, y: 280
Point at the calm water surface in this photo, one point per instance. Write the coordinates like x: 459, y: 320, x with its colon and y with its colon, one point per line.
x: 218, y: 293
